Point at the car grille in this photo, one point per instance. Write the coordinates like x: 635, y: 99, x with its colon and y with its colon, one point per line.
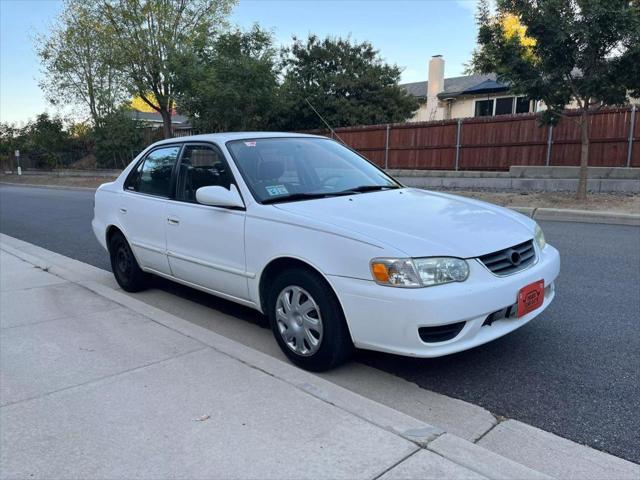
x: 510, y: 260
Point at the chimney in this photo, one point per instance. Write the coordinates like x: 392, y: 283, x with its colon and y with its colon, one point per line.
x: 435, y: 86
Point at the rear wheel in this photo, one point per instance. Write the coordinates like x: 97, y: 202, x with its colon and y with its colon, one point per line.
x: 125, y: 268
x: 307, y: 321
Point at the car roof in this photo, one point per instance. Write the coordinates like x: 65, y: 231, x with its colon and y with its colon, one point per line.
x: 225, y: 137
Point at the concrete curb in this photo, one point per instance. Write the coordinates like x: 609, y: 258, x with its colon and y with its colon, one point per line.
x: 583, y: 216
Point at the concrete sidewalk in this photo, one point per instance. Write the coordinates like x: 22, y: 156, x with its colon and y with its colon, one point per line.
x: 92, y: 388
x: 96, y: 384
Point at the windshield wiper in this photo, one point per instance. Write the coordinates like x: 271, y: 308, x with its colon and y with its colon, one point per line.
x: 369, y: 188
x: 310, y: 196
x: 295, y: 196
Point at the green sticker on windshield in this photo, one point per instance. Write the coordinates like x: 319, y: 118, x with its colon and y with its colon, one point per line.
x: 274, y: 190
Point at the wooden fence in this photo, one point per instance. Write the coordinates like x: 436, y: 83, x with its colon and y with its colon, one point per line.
x: 496, y: 143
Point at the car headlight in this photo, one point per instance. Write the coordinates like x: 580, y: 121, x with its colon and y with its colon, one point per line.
x: 539, y: 238
x: 418, y: 272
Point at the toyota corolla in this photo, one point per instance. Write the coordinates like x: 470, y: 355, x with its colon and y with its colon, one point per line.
x: 332, y: 249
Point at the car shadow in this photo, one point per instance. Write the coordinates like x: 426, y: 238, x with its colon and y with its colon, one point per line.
x: 211, y: 301
x: 480, y: 359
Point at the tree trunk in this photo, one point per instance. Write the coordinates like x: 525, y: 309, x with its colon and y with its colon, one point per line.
x: 166, y: 123
x: 584, y: 154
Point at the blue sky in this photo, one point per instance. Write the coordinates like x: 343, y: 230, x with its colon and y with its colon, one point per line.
x: 407, y: 33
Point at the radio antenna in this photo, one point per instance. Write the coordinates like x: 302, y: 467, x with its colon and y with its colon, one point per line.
x: 333, y: 132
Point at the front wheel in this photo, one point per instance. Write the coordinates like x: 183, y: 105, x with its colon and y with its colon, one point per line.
x: 124, y: 265
x: 307, y: 321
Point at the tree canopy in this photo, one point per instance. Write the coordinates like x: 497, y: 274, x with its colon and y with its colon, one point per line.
x: 167, y: 55
x: 347, y: 82
x: 563, y: 51
x: 149, y: 36
x: 78, y: 62
x: 233, y: 84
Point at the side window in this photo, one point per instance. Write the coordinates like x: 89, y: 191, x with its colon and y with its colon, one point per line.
x: 484, y: 108
x: 523, y: 105
x: 201, y: 166
x: 504, y: 106
x: 153, y: 175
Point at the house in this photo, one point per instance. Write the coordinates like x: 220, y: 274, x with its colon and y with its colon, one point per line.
x: 476, y: 95
x: 154, y: 119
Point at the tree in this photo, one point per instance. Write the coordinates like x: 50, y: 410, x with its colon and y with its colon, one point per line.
x: 78, y: 63
x: 117, y: 140
x: 150, y: 35
x: 46, y: 140
x: 233, y: 84
x: 559, y: 51
x: 347, y: 82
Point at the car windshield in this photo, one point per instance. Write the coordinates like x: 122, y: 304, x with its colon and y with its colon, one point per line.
x: 302, y: 168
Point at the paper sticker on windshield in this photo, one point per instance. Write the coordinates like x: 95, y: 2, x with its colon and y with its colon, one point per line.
x: 274, y: 190
x: 250, y: 144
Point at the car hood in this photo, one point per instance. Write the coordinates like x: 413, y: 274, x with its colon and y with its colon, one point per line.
x: 419, y: 222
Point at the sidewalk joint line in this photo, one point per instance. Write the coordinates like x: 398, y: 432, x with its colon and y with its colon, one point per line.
x: 406, y: 457
x: 499, y: 420
x: 98, y: 380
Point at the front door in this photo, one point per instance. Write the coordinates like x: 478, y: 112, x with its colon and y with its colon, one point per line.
x: 205, y: 244
x: 142, y: 208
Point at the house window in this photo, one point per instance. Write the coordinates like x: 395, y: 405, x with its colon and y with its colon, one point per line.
x: 484, y: 108
x: 504, y: 106
x: 523, y: 105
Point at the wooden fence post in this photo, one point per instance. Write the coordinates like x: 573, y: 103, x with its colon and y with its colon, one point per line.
x: 386, y: 150
x: 458, y: 146
x: 632, y: 127
x: 549, y: 143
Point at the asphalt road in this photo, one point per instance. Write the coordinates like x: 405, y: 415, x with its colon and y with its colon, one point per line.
x: 574, y: 371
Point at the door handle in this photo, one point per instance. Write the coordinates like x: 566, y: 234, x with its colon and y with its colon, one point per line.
x: 173, y: 221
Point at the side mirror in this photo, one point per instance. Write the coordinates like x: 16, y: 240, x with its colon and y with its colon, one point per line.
x: 219, y: 197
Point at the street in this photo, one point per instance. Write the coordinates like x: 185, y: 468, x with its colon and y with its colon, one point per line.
x: 574, y: 371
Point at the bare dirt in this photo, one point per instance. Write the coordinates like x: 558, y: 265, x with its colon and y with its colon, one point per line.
x: 622, y: 203
x: 52, y: 180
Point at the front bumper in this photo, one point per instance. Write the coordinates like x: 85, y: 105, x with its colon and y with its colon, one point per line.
x: 387, y: 319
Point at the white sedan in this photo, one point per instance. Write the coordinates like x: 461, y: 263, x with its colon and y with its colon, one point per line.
x: 332, y: 249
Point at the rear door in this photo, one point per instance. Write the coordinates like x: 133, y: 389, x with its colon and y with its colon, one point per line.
x: 205, y: 244
x: 142, y: 210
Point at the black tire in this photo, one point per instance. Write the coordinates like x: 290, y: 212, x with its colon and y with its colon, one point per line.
x: 124, y: 265
x: 335, y: 345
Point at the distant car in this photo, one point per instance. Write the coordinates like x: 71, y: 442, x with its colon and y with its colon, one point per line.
x: 331, y: 248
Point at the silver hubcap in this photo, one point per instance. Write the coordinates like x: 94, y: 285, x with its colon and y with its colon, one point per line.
x: 299, y: 321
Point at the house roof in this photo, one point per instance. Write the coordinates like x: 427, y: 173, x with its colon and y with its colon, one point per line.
x: 155, y: 117
x: 464, y: 85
